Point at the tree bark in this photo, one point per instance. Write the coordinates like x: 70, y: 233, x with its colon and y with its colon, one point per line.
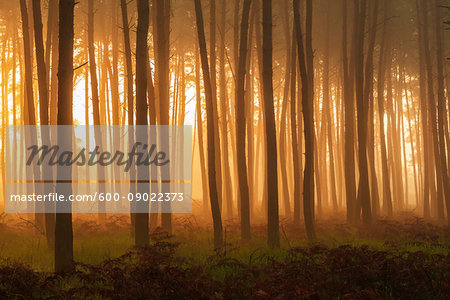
x: 95, y: 101
x: 213, y: 193
x: 327, y: 110
x: 349, y: 115
x: 44, y: 119
x: 141, y: 219
x: 162, y: 27
x: 432, y: 113
x: 270, y: 132
x: 441, y: 109
x: 369, y: 99
x: 129, y: 97
x: 240, y: 124
x: 63, y: 221
x: 308, y: 119
x: 227, y: 190
x: 295, y: 118
x: 212, y: 72
x: 198, y: 111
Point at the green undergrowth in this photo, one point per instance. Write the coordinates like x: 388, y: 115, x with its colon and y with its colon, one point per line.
x: 387, y: 260
x: 94, y: 243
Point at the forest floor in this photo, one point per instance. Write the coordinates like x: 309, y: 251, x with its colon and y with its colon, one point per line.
x: 405, y: 258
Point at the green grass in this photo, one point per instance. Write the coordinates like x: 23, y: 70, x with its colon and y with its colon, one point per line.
x: 195, y: 244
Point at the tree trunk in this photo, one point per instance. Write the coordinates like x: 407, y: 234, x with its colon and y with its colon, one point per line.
x: 295, y: 118
x: 129, y: 97
x: 363, y: 197
x: 424, y: 112
x: 162, y: 27
x: 227, y: 190
x: 95, y: 102
x: 327, y: 110
x: 369, y: 99
x: 441, y: 108
x: 387, y: 200
x: 432, y: 113
x: 349, y: 167
x: 308, y: 119
x: 63, y: 221
x: 284, y: 119
x: 270, y: 130
x: 212, y: 72
x: 141, y: 219
x: 198, y: 111
x: 240, y: 124
x: 213, y: 193
x: 44, y: 119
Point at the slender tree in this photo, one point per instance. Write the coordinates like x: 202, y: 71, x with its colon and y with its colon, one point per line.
x: 441, y: 110
x: 162, y: 26
x: 240, y: 124
x: 363, y: 197
x: 141, y: 219
x: 213, y: 193
x: 44, y: 118
x: 308, y: 109
x: 63, y: 220
x: 369, y: 99
x: 294, y: 120
x: 387, y: 201
x: 129, y: 95
x: 270, y: 130
x: 213, y: 73
x: 327, y: 110
x: 227, y: 190
x: 432, y: 111
x: 95, y: 102
x: 349, y: 114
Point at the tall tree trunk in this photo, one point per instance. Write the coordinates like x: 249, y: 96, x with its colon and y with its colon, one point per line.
x: 284, y: 119
x: 240, y: 124
x: 141, y: 220
x: 129, y: 96
x: 295, y: 118
x: 308, y: 119
x: 44, y: 119
x: 432, y: 113
x: 151, y: 94
x: 309, y: 124
x: 363, y: 197
x: 63, y: 221
x: 227, y: 190
x: 213, y: 193
x: 162, y: 27
x: 387, y: 200
x: 269, y: 118
x: 201, y: 147
x: 327, y: 109
x: 28, y: 108
x: 234, y: 67
x: 95, y: 102
x: 424, y: 113
x: 369, y: 99
x: 213, y: 73
x: 441, y: 108
x: 349, y: 167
